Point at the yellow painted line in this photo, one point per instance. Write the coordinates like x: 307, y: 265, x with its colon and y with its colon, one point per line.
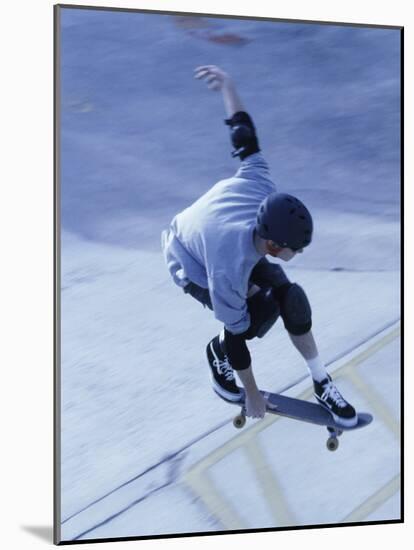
x: 374, y: 501
x: 361, y: 357
x: 219, y: 506
x: 376, y: 403
x: 204, y: 487
x: 197, y: 478
x: 271, y: 489
x: 234, y: 443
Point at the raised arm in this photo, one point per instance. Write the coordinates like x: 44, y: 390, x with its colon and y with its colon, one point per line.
x: 218, y: 80
x: 243, y: 132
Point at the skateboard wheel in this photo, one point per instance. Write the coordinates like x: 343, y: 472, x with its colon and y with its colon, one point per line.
x: 332, y: 444
x: 334, y: 432
x: 239, y: 421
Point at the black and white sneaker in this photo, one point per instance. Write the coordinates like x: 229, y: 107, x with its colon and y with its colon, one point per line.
x: 329, y: 397
x: 222, y: 375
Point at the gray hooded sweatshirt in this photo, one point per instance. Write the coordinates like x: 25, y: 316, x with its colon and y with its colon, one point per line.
x: 211, y: 243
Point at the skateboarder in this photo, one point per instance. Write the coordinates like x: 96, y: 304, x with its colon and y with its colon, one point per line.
x: 216, y: 251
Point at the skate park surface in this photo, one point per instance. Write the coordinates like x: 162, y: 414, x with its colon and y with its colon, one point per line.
x: 146, y: 446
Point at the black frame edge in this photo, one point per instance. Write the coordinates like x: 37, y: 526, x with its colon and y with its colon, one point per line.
x: 228, y: 16
x: 232, y: 532
x: 402, y: 358
x: 56, y: 281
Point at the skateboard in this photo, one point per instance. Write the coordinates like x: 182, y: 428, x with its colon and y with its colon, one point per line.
x: 305, y: 411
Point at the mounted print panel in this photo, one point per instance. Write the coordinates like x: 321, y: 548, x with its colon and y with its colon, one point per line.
x: 228, y: 274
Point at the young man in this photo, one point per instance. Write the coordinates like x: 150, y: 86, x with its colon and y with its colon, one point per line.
x: 215, y: 250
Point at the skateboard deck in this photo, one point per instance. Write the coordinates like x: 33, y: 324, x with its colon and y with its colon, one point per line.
x: 305, y: 411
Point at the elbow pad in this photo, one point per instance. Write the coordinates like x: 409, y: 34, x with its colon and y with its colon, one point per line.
x: 236, y: 349
x: 243, y: 135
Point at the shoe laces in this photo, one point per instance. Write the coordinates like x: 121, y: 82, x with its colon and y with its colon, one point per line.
x: 331, y: 392
x: 224, y: 367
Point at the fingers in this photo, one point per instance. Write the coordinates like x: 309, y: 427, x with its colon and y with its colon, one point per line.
x: 213, y: 83
x: 201, y: 72
x: 210, y: 78
x: 212, y: 75
x: 255, y: 413
x: 256, y: 409
x: 204, y: 69
x: 258, y: 415
x: 208, y: 71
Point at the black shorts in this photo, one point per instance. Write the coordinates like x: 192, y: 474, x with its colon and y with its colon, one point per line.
x: 262, y: 306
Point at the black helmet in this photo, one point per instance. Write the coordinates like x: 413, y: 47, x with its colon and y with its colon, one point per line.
x: 285, y: 220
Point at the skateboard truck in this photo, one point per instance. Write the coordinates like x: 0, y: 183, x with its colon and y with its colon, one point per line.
x: 332, y: 442
x: 240, y: 420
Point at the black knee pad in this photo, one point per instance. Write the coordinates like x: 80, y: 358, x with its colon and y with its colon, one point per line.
x: 295, y: 310
x: 266, y: 274
x: 264, y: 311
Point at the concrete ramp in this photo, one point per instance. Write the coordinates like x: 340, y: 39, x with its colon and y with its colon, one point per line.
x: 276, y: 472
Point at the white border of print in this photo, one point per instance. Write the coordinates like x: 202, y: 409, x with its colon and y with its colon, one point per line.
x: 27, y: 268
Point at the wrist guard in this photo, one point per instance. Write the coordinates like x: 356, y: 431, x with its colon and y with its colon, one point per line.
x: 243, y: 135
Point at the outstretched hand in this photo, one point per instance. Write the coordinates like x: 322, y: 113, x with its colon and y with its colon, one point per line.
x: 215, y: 77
